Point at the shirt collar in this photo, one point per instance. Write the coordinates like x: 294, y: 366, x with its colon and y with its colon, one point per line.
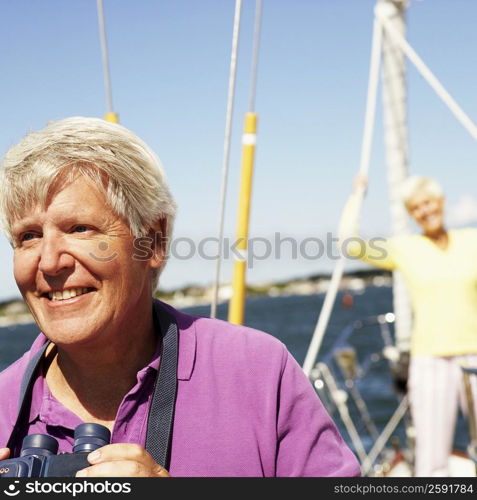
x: 45, y: 406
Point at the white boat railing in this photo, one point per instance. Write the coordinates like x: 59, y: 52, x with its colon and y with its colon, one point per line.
x: 336, y: 378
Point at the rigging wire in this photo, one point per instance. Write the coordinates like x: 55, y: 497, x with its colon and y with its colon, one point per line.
x: 386, y: 433
x: 226, y: 155
x: 110, y: 114
x: 427, y: 74
x: 330, y: 297
x: 343, y: 410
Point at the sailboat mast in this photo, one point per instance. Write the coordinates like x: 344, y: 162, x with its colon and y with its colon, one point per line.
x: 396, y: 142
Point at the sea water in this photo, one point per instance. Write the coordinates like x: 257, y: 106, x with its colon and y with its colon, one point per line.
x: 292, y: 320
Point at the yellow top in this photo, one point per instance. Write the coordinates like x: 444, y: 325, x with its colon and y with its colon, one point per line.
x: 442, y: 284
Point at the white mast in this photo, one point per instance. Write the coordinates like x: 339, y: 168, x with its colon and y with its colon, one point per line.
x: 395, y: 128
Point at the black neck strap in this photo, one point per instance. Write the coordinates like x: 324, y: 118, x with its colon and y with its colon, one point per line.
x: 161, y: 409
x: 24, y: 400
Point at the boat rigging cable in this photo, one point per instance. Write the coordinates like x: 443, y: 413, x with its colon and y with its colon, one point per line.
x: 226, y: 155
x: 110, y: 115
x: 431, y: 79
x: 236, y: 307
x: 379, y: 24
x: 343, y: 411
x: 363, y: 169
x: 379, y: 444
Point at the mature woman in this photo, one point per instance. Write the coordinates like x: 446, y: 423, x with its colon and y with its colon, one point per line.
x: 440, y: 269
x: 89, y: 215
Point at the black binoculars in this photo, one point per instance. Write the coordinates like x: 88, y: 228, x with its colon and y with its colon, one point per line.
x: 38, y: 456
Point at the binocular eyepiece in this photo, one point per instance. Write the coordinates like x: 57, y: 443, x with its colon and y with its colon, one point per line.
x: 38, y: 456
x: 88, y: 437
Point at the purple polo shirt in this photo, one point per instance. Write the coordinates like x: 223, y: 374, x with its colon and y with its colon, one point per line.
x: 244, y: 408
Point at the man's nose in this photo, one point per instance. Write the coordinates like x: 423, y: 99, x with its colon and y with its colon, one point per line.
x: 55, y: 256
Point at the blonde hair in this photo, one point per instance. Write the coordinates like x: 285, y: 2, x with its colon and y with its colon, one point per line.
x: 417, y: 183
x: 115, y: 159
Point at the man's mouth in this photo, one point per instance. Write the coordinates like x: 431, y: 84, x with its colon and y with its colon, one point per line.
x: 67, y: 294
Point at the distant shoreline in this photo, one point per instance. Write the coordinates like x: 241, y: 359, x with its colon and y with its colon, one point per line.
x: 15, y: 311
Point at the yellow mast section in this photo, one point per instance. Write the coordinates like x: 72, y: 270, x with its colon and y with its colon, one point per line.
x: 237, y: 302
x: 111, y: 117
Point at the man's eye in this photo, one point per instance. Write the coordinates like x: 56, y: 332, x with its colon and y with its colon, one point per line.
x: 80, y: 229
x: 27, y: 236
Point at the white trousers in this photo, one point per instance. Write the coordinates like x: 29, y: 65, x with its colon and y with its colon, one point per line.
x: 436, y: 390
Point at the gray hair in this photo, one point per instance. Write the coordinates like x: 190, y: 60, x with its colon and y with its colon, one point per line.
x: 416, y: 184
x: 121, y: 164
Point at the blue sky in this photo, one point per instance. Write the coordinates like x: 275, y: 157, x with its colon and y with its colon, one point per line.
x: 169, y: 64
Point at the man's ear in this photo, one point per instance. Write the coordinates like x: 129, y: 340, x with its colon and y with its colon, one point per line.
x: 159, y: 243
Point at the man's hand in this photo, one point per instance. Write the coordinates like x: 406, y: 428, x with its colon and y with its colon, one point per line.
x: 4, y: 453
x: 122, y: 460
